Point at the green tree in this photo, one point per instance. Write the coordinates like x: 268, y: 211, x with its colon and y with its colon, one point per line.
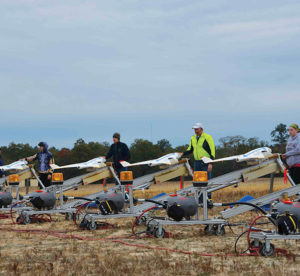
x: 142, y: 150
x: 164, y: 145
x: 280, y: 134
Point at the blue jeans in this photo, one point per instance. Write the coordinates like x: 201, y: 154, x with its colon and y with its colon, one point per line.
x: 199, y: 165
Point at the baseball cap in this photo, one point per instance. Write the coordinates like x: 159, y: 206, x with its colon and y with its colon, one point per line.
x: 198, y: 125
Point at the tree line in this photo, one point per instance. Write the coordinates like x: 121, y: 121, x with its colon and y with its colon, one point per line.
x: 142, y: 149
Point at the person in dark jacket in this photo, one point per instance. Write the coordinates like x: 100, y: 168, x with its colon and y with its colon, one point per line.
x: 2, y: 173
x: 119, y: 152
x: 45, y: 158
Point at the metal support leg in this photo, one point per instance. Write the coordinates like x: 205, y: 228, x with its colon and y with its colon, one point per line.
x: 38, y: 179
x: 205, y: 212
x: 27, y: 185
x: 17, y: 192
x: 115, y: 175
x: 272, y: 183
x: 267, y: 242
x: 61, y: 196
x: 271, y: 188
x: 16, y: 187
x: 160, y: 229
x: 130, y: 199
x: 123, y: 194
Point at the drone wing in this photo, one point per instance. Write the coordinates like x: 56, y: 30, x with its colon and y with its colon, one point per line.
x: 207, y: 160
x: 127, y: 164
x: 55, y: 167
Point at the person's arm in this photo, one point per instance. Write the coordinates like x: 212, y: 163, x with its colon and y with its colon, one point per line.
x: 110, y: 153
x: 51, y: 158
x: 189, y: 150
x: 31, y: 158
x: 294, y: 151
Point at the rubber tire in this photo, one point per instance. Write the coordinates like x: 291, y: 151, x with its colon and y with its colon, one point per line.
x: 92, y: 226
x: 26, y: 220
x: 150, y: 230
x: 157, y: 235
x: 19, y: 220
x: 260, y: 244
x: 263, y: 252
x: 220, y: 232
x: 209, y: 232
x: 83, y: 224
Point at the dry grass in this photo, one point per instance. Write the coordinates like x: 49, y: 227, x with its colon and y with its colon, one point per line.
x: 29, y: 253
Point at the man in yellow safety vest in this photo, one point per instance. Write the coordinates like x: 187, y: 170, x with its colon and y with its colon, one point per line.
x: 201, y: 145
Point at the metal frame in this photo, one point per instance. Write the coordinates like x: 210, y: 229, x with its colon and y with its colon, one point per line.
x: 70, y: 208
x: 266, y: 167
x: 197, y: 191
x: 267, y: 237
x: 140, y: 183
x: 269, y: 198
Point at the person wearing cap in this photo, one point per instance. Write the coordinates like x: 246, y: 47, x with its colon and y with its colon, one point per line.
x: 2, y: 173
x: 201, y: 145
x: 292, y: 154
x: 45, y: 159
x: 119, y: 152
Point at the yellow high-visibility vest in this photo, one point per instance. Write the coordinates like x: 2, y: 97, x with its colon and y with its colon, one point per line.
x: 204, y: 147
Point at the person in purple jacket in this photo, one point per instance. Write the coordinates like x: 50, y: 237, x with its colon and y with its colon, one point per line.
x: 292, y: 154
x: 45, y: 158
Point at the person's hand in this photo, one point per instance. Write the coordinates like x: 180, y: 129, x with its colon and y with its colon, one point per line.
x: 3, y: 175
x: 283, y: 156
x: 209, y: 168
x: 49, y: 176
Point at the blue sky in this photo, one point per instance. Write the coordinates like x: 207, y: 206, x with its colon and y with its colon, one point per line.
x: 148, y: 69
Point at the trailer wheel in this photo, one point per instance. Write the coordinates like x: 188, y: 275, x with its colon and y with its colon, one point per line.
x: 26, y: 220
x: 263, y: 250
x: 252, y: 244
x: 68, y: 216
x: 19, y: 220
x: 209, y: 230
x: 83, y: 224
x: 92, y: 225
x: 220, y: 231
x: 159, y: 235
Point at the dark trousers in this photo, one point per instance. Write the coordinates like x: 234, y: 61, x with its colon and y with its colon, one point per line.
x: 44, y: 178
x: 199, y: 165
x: 295, y: 174
x: 119, y: 170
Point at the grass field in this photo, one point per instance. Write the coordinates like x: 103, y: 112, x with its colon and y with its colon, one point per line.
x: 41, y: 253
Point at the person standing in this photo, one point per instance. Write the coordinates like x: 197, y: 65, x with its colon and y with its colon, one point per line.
x: 45, y: 159
x: 292, y: 154
x: 119, y: 152
x: 201, y: 145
